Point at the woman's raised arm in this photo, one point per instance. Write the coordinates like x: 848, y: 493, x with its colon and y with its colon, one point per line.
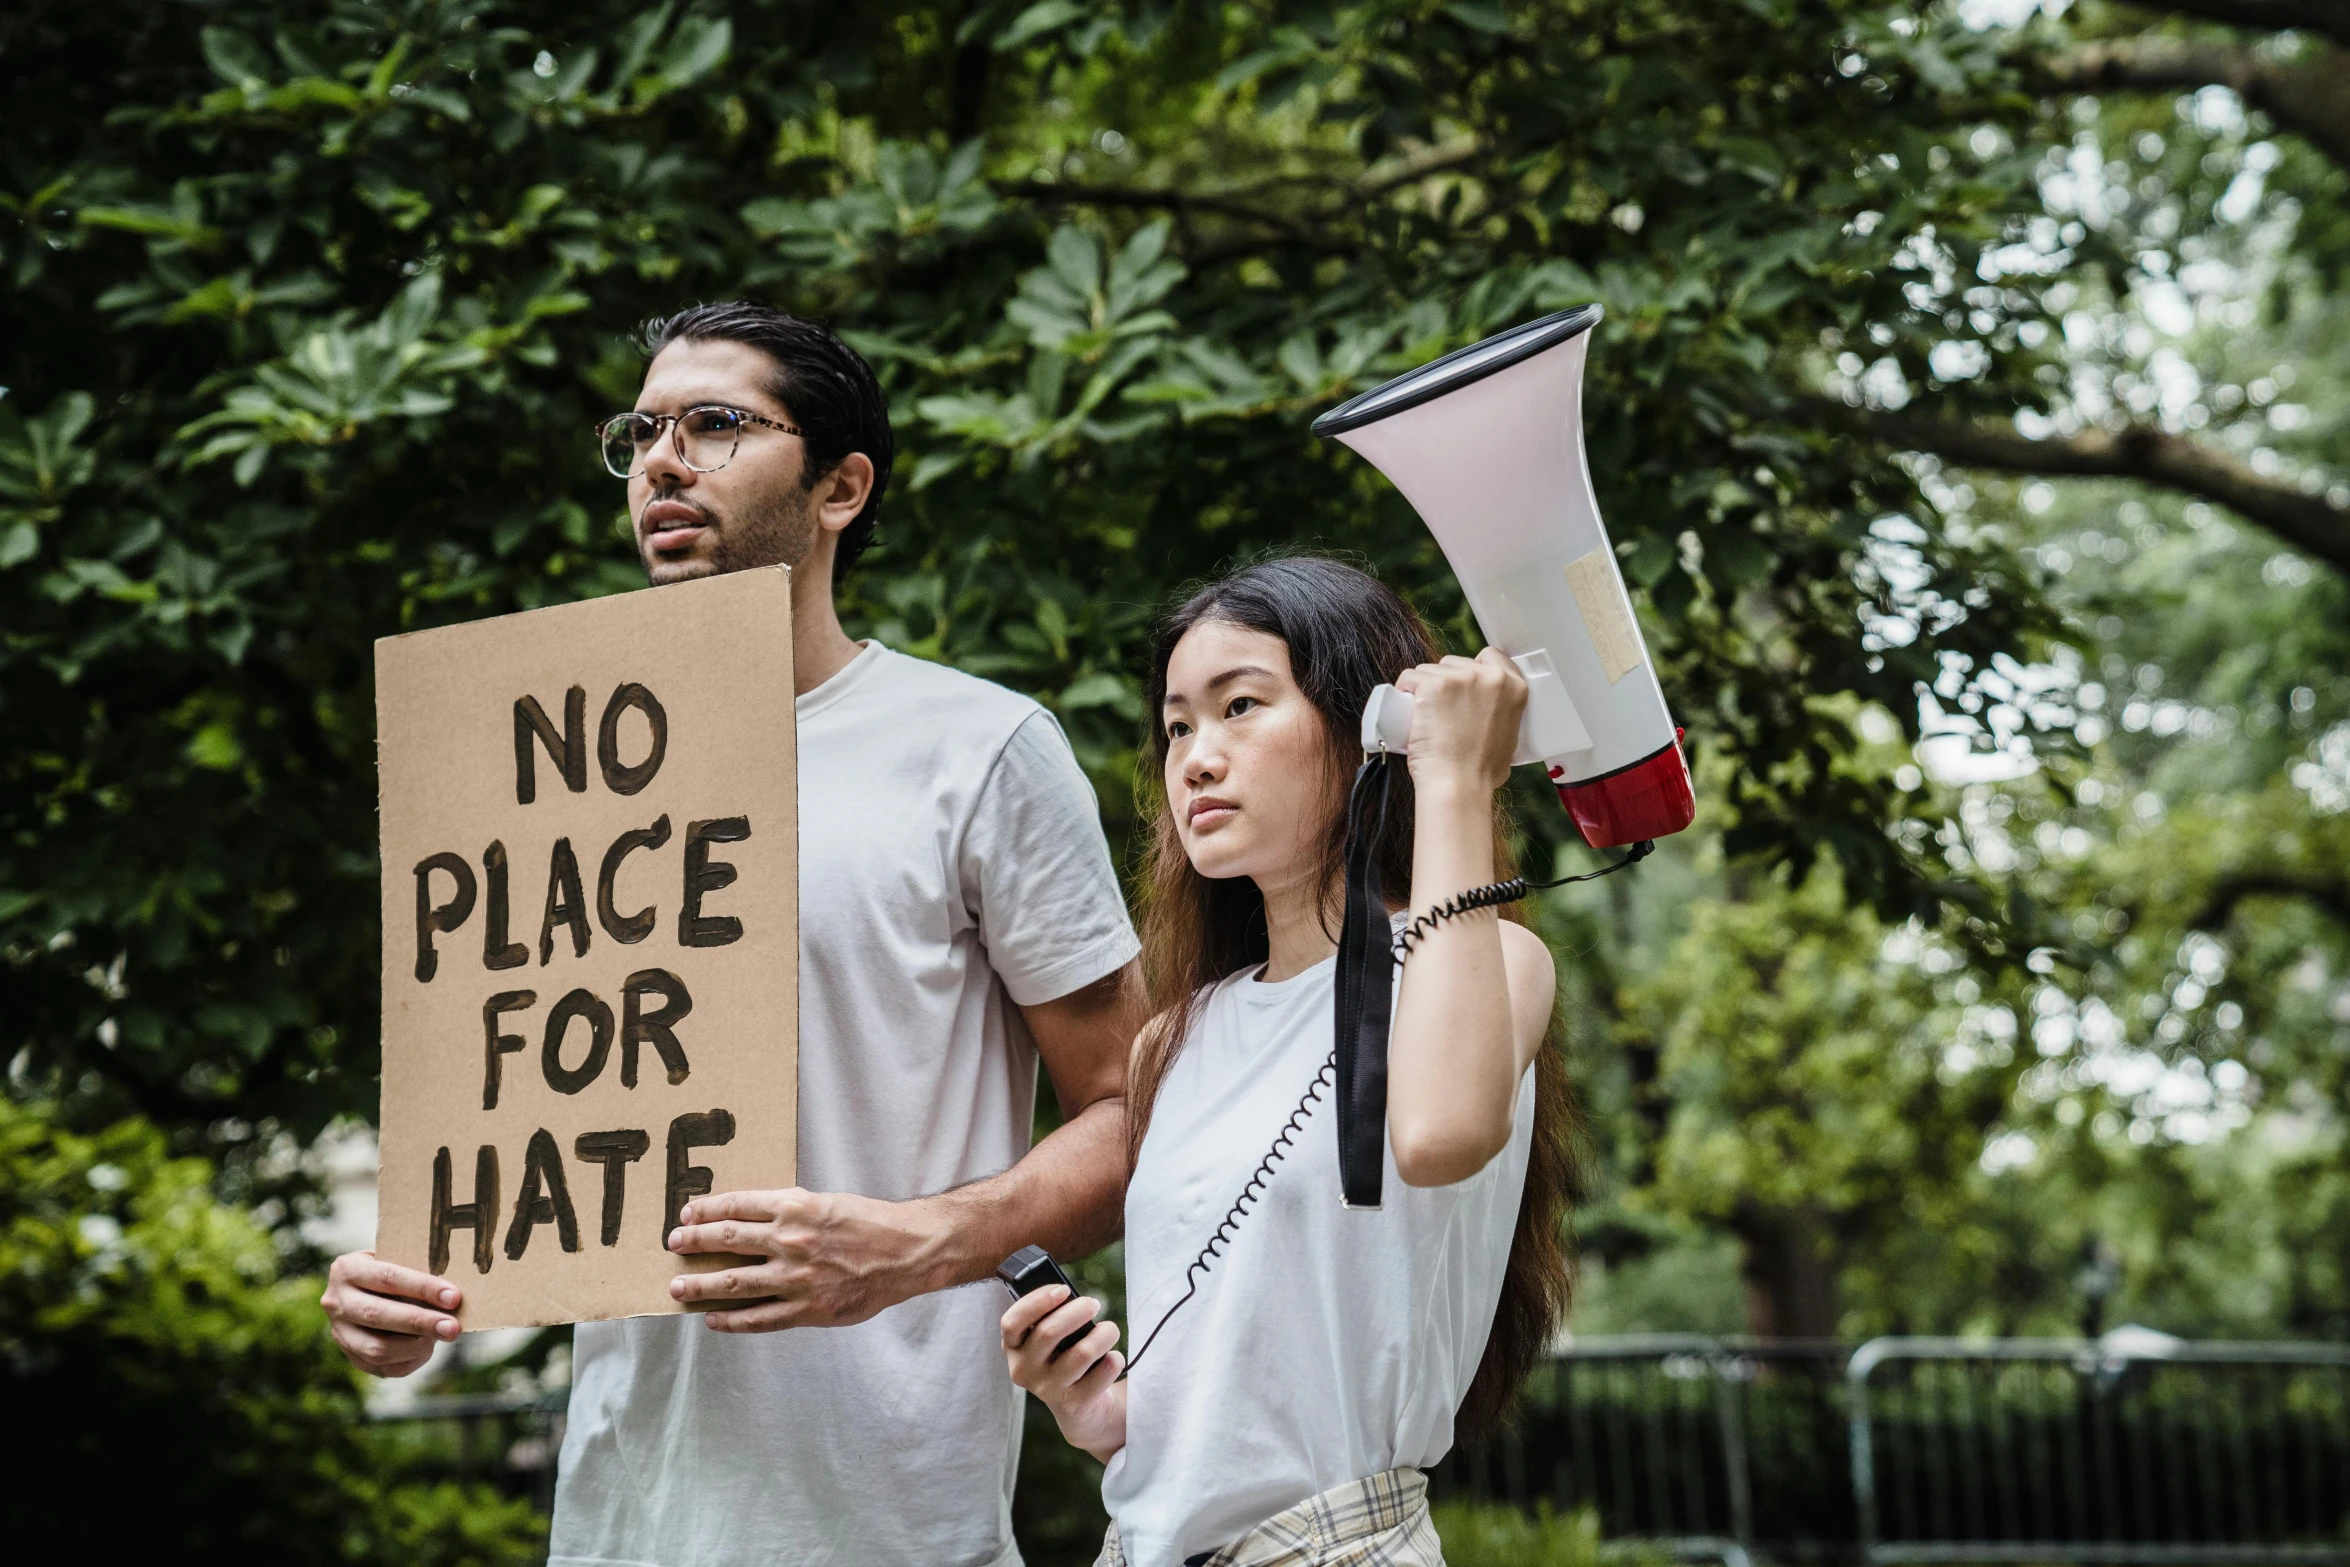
x: 1477, y: 991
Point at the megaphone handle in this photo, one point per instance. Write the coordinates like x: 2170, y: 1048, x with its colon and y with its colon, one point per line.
x: 1549, y: 727
x: 1387, y: 721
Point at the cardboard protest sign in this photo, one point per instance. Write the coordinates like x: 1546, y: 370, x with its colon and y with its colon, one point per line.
x: 591, y: 940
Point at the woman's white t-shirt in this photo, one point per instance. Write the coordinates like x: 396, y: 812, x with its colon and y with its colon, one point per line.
x: 1325, y: 1343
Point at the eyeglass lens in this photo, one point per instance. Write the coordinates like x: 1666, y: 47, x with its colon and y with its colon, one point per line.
x: 705, y: 437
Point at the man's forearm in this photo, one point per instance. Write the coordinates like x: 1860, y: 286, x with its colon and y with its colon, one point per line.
x: 1067, y: 1195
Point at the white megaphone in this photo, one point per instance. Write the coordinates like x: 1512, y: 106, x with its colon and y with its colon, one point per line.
x: 1487, y: 445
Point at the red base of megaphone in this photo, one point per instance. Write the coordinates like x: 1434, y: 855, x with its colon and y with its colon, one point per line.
x: 1649, y: 799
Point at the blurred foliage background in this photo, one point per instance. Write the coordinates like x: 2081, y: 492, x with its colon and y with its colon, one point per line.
x: 1969, y: 413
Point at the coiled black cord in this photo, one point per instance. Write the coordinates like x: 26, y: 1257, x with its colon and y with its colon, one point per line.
x: 1486, y: 897
x: 1495, y: 894
x: 1228, y: 1226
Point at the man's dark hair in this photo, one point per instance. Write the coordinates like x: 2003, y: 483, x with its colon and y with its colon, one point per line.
x: 829, y: 389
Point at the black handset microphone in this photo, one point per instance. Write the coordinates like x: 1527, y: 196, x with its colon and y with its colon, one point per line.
x: 1030, y: 1269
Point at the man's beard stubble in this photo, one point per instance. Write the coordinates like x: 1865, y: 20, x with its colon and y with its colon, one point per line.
x: 779, y: 532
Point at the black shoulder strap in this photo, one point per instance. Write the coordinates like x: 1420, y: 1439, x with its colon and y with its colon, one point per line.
x: 1366, y: 969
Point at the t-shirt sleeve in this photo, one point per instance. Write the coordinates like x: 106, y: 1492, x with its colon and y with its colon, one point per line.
x: 1037, y: 871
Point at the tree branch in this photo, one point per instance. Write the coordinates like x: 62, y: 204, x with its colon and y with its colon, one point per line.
x: 2307, y: 99
x: 2328, y: 18
x: 1413, y: 167
x: 2332, y: 897
x: 1149, y: 196
x: 2309, y: 523
x: 1315, y: 227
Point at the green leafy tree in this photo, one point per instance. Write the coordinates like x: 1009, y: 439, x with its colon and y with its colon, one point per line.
x: 2187, y: 1101
x: 1869, y: 1129
x: 139, y: 1316
x: 2185, y: 1112
x: 1835, y: 1083
x: 2171, y: 871
x: 311, y: 304
x: 314, y: 302
x: 2218, y: 105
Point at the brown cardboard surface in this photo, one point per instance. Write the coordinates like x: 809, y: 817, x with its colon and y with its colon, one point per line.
x: 715, y: 657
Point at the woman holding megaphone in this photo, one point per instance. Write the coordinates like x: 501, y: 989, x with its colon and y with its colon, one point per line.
x: 1303, y: 1362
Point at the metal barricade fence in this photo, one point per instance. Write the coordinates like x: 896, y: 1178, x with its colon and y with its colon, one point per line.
x: 1686, y: 1441
x: 1901, y: 1450
x: 507, y: 1440
x: 2020, y: 1450
x: 1908, y: 1450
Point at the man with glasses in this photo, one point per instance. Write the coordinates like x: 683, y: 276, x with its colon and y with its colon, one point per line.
x: 959, y: 921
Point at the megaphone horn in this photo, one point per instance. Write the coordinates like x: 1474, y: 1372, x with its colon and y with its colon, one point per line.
x: 1487, y: 445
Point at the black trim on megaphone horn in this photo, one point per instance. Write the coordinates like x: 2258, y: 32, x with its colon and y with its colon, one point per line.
x: 1614, y: 772
x: 1449, y: 373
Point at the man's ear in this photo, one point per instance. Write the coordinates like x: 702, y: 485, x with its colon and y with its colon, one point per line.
x: 842, y: 493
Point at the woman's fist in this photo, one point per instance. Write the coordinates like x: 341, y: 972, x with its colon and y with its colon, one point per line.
x: 1465, y: 714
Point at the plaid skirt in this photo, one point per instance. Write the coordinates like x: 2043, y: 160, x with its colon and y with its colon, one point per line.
x: 1379, y: 1522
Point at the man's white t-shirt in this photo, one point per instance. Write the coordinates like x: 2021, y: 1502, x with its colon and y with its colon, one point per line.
x: 952, y: 868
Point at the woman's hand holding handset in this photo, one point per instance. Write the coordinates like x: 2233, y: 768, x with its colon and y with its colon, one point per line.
x: 1477, y: 991
x: 1079, y: 1383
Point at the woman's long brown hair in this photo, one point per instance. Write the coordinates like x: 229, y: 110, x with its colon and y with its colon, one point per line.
x: 1346, y: 633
